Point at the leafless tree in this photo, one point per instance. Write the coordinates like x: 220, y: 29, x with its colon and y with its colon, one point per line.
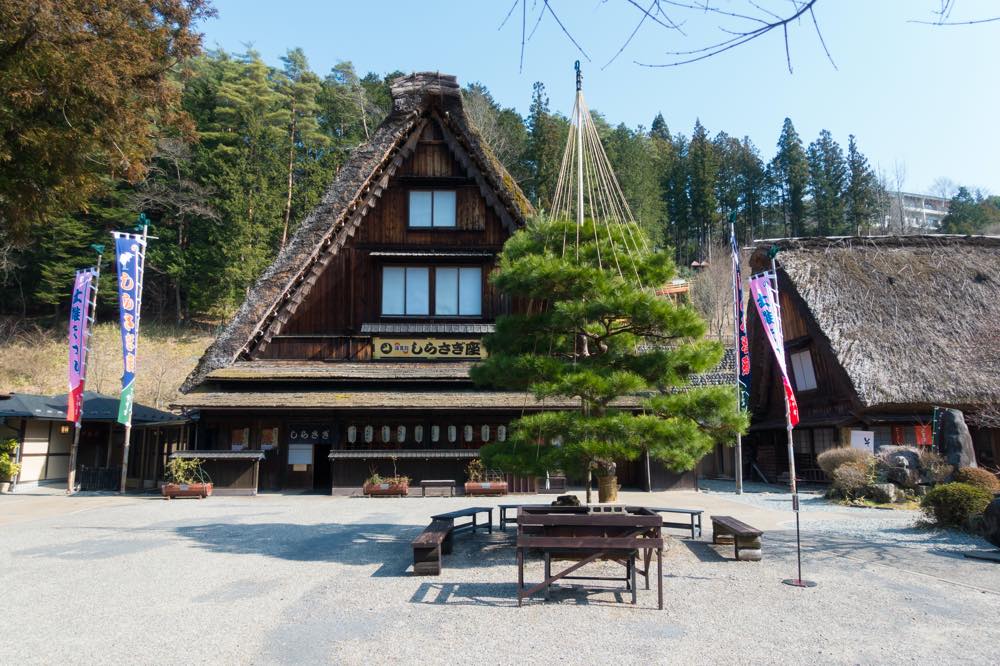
x: 712, y: 294
x: 944, y: 187
x: 484, y: 115
x: 739, y: 22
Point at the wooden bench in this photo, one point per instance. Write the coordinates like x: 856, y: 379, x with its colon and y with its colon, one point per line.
x: 437, y: 483
x: 429, y: 546
x: 745, y: 538
x: 470, y: 512
x: 693, y: 514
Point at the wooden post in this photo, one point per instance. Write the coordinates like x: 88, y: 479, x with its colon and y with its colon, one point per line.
x: 126, y: 443
x: 74, y: 447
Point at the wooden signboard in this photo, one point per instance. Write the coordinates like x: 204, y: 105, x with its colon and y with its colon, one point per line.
x: 428, y: 348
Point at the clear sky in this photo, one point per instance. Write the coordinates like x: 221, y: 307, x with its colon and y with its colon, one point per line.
x: 918, y: 95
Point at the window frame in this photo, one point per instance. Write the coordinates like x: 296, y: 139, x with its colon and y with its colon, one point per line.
x: 796, y: 375
x: 433, y: 191
x: 432, y: 291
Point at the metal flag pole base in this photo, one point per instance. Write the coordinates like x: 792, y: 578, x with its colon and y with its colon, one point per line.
x: 798, y: 582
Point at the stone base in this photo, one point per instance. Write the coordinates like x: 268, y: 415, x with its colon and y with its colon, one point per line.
x: 750, y: 555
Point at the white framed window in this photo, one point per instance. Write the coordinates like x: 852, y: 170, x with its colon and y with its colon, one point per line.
x: 458, y: 291
x: 802, y: 369
x: 432, y: 208
x: 418, y: 433
x: 405, y: 290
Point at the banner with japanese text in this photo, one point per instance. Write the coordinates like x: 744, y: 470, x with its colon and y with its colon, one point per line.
x: 79, y: 323
x: 428, y: 348
x: 764, y: 293
x: 740, y: 326
x: 130, y: 254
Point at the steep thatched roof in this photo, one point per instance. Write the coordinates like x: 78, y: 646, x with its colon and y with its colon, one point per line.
x: 913, y: 320
x: 417, y: 99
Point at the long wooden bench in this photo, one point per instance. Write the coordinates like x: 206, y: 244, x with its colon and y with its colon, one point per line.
x: 429, y: 546
x: 693, y: 514
x: 436, y: 539
x: 470, y: 512
x: 745, y: 538
x: 437, y: 483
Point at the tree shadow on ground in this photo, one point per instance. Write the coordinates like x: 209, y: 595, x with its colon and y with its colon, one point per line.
x: 383, y: 544
x: 505, y: 595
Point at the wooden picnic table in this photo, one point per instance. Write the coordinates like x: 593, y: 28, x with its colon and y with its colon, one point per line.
x: 574, y: 533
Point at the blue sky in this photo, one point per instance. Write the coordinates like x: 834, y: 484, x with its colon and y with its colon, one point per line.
x: 917, y: 95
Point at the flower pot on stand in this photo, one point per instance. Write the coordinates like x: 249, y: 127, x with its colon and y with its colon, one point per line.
x: 485, y: 488
x: 387, y: 489
x: 199, y: 490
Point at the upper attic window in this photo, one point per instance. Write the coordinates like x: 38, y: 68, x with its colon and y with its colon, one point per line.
x: 432, y: 208
x: 802, y: 368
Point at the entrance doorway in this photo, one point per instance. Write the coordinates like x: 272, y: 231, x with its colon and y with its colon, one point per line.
x: 322, y: 476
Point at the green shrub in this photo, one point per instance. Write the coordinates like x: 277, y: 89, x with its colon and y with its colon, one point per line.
x: 977, y: 476
x: 831, y: 459
x: 185, y: 470
x: 8, y: 468
x: 954, y: 504
x: 850, y: 478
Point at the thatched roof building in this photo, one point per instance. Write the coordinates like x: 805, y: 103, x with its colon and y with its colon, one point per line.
x: 420, y: 101
x: 878, y: 331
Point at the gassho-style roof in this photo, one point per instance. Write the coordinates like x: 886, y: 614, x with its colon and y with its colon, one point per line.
x: 913, y: 320
x: 96, y: 407
x: 417, y: 99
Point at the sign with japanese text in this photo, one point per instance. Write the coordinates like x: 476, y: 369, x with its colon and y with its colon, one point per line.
x: 130, y: 253
x: 863, y: 440
x: 79, y: 323
x: 310, y: 434
x: 432, y: 348
x: 764, y: 293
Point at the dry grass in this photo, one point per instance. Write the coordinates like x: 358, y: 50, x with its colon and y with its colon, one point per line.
x: 33, y: 360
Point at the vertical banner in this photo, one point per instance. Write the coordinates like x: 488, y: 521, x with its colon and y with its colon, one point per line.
x: 79, y: 320
x: 740, y: 325
x: 130, y: 253
x: 763, y: 292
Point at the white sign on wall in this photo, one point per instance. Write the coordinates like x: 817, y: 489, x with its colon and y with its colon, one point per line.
x: 864, y: 440
x: 300, y: 454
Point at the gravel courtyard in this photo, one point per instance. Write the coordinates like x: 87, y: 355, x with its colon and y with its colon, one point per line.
x: 315, y: 579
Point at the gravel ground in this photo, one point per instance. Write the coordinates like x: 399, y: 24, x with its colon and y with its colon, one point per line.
x: 313, y: 579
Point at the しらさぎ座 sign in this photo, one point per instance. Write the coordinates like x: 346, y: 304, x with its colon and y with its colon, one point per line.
x: 428, y: 348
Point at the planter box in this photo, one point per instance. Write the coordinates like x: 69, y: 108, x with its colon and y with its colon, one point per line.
x: 199, y: 490
x: 485, y: 487
x: 387, y: 489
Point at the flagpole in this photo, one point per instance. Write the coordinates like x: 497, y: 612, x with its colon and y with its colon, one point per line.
x: 794, y: 582
x: 738, y: 462
x: 140, y: 273
x: 78, y: 425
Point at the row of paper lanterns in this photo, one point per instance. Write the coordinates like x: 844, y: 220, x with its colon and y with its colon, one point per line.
x: 451, y: 432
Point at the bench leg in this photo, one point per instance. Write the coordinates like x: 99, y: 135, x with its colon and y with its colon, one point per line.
x: 548, y: 573
x: 692, y: 526
x: 520, y: 576
x: 659, y: 576
x: 490, y: 523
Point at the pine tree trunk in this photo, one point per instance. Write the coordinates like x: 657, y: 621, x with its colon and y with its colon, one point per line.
x: 589, y: 482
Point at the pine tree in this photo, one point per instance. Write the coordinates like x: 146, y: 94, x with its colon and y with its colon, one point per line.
x: 790, y: 175
x: 861, y: 196
x: 702, y: 170
x: 546, y: 138
x: 971, y: 213
x: 599, y: 337
x: 827, y: 183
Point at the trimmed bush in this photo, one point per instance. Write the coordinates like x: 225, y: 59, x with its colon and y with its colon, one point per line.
x: 849, y: 479
x: 953, y: 504
x: 977, y: 476
x: 831, y: 459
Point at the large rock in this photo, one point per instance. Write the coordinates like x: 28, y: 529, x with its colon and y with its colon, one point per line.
x: 954, y: 440
x: 991, y: 522
x: 904, y: 477
x: 899, y: 456
x: 883, y: 493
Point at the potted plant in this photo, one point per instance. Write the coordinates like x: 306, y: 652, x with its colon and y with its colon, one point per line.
x: 8, y: 468
x: 186, y: 478
x: 387, y: 486
x: 482, y: 481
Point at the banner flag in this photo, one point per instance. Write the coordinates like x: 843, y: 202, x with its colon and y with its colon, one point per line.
x: 130, y: 254
x: 79, y: 325
x: 764, y: 294
x: 740, y: 324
